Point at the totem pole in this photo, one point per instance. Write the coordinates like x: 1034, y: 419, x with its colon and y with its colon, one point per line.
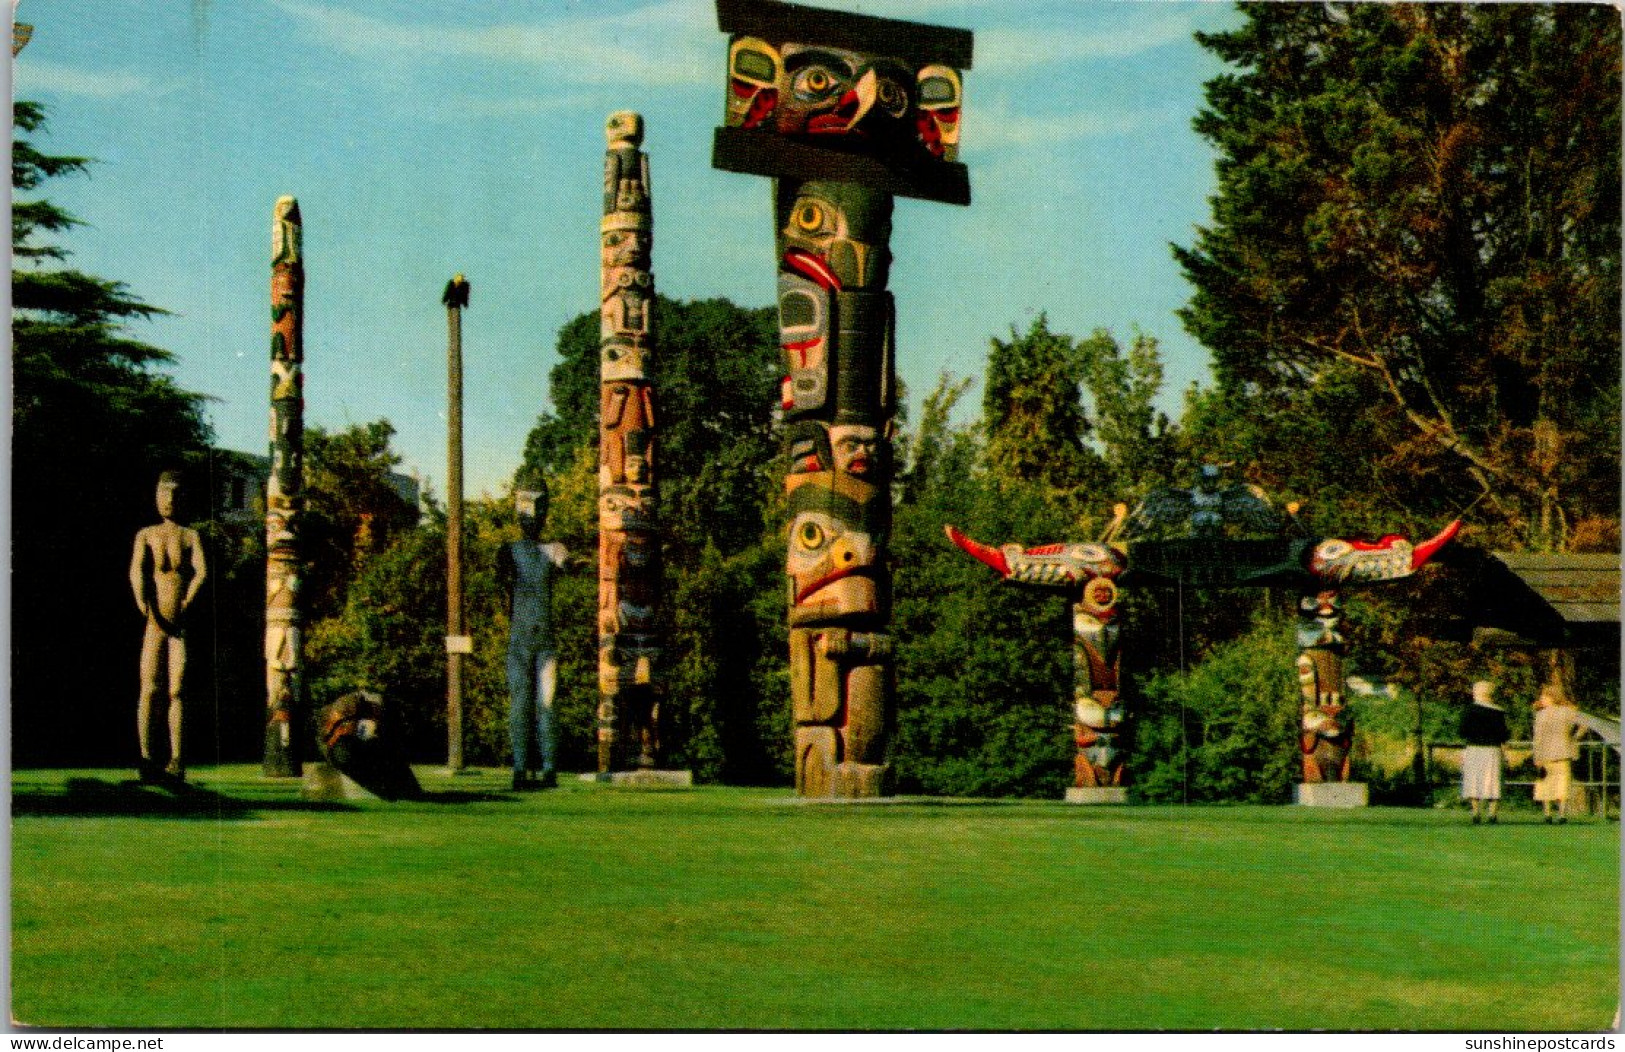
x: 1206, y: 554
x: 843, y: 111
x: 628, y: 546
x: 1086, y: 573
x: 284, y: 495
x: 1326, y: 724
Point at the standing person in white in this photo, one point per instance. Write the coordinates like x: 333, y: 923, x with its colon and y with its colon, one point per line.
x: 1484, y: 732
x: 525, y: 571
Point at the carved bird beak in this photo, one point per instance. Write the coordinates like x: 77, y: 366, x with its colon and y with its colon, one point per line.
x: 858, y: 101
x: 991, y: 556
x: 1424, y: 551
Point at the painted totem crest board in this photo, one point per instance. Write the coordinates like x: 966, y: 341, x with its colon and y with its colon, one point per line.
x: 817, y: 94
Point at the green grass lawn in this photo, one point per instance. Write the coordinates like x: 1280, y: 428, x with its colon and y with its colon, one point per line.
x: 240, y: 906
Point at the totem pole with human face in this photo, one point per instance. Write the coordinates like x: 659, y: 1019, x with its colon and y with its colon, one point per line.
x: 843, y: 111
x: 284, y: 495
x: 628, y: 546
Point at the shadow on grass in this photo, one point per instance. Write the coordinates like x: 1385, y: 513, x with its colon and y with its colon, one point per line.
x: 461, y: 796
x: 93, y: 797
x: 127, y: 798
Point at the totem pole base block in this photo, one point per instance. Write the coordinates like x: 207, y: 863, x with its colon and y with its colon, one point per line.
x: 1097, y: 794
x: 1331, y: 794
x: 861, y: 780
x: 645, y: 779
x: 323, y: 781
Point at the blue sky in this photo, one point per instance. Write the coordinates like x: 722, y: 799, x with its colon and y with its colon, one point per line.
x: 423, y: 139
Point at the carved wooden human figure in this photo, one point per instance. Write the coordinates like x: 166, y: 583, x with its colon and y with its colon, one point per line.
x: 525, y: 572
x: 843, y: 111
x: 628, y: 546
x: 167, y: 569
x: 284, y: 494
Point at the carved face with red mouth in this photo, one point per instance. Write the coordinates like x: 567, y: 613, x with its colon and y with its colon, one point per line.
x: 832, y: 560
x: 835, y: 234
x: 825, y: 554
x: 939, y: 93
x: 856, y: 448
x: 754, y: 69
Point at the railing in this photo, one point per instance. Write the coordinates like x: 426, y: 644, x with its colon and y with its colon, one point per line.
x: 1595, y: 785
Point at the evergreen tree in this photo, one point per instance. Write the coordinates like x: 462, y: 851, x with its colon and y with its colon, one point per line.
x: 353, y: 510
x: 1134, y: 438
x: 1032, y: 409
x: 1420, y: 203
x: 94, y: 421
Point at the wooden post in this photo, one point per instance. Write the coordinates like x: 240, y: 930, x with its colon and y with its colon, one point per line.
x: 455, y: 299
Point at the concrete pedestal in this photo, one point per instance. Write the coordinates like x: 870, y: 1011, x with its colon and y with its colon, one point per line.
x: 323, y: 781
x: 643, y: 779
x: 1097, y: 794
x: 1331, y: 794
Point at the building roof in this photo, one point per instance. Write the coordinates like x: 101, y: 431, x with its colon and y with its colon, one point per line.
x: 1546, y: 599
x: 1580, y: 588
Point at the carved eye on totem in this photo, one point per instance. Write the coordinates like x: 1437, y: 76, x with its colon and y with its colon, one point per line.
x: 1094, y: 553
x: 939, y: 87
x: 811, y: 218
x: 817, y: 84
x: 1333, y: 550
x: 891, y: 98
x: 813, y: 534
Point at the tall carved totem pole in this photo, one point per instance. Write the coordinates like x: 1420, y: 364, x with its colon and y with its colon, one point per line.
x: 284, y: 495
x: 628, y: 544
x: 843, y: 111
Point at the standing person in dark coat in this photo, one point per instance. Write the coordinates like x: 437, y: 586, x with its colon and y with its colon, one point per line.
x: 1484, y: 731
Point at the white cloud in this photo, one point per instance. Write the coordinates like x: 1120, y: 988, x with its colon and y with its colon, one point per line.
x: 38, y: 75
x: 660, y: 44
x: 1152, y: 26
x: 1003, y: 129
